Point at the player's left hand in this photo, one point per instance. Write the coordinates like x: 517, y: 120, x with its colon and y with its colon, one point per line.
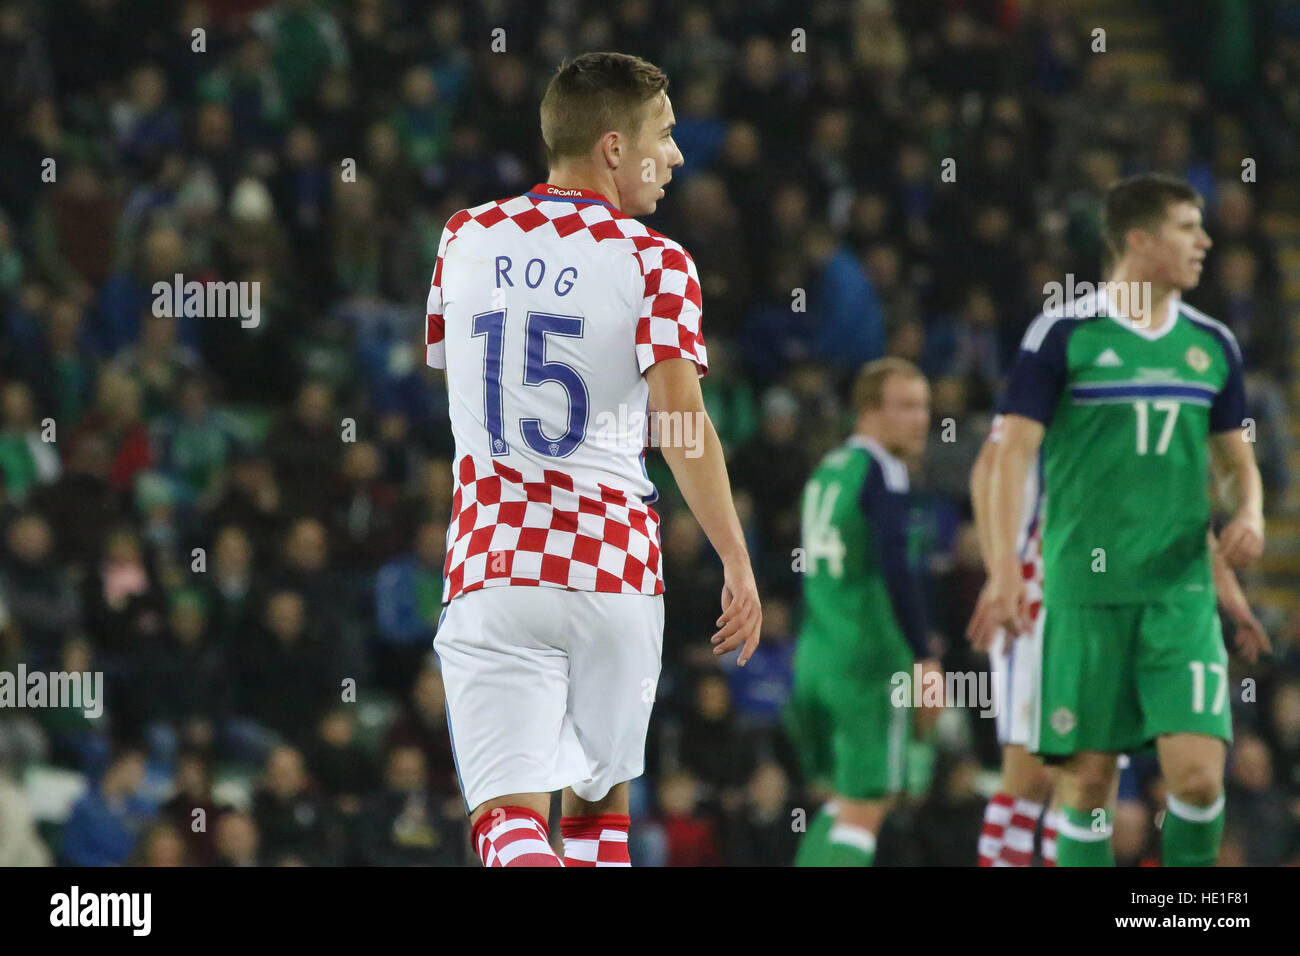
x: 1242, y: 541
x: 1251, y: 638
x: 1001, y: 607
x: 742, y: 613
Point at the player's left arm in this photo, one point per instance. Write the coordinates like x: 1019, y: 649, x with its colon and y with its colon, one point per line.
x: 1242, y: 539
x: 887, y: 509
x: 1251, y: 638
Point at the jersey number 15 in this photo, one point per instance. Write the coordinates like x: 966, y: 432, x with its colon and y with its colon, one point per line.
x: 537, y: 372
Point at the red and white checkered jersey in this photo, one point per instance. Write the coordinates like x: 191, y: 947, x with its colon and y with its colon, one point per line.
x: 1029, y: 538
x: 546, y: 309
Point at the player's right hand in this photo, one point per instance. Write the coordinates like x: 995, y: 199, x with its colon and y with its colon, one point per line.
x: 1001, y: 605
x: 742, y: 614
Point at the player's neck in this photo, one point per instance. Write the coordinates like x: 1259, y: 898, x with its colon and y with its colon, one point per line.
x: 1146, y: 303
x: 584, y: 177
x: 868, y: 429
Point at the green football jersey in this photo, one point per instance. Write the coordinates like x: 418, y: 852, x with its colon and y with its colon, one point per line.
x: 862, y: 594
x: 1127, y: 412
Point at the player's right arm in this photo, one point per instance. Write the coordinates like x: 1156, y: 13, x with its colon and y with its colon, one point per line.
x: 1033, y: 390
x: 981, y: 489
x: 979, y: 498
x: 702, y: 479
x: 1002, y: 604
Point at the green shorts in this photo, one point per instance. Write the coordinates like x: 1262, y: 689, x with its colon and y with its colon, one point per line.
x: 847, y: 733
x: 1117, y: 676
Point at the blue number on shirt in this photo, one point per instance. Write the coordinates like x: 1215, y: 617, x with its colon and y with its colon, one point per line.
x: 537, y: 372
x: 493, y: 325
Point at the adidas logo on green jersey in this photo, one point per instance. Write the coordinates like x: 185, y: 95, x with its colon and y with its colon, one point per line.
x: 1108, y: 359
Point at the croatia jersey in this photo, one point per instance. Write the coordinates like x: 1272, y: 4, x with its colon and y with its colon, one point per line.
x: 546, y: 310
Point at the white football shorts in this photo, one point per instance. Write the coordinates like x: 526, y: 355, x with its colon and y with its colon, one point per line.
x: 1017, y: 680
x: 548, y: 688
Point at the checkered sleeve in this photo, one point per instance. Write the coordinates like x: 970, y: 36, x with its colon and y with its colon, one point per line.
x: 435, y: 348
x: 669, y: 326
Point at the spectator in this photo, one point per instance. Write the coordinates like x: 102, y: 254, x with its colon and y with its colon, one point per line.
x: 772, y: 467
x: 157, y: 362
x: 1260, y: 807
x: 364, y: 516
x: 39, y: 596
x: 695, y: 580
x: 283, y: 681
x: 160, y: 845
x: 713, y: 748
x: 80, y: 506
x: 106, y: 823
x: 850, y: 321
x: 117, y: 418
x: 22, y: 845
x: 691, y: 838
x: 339, y: 764
x: 408, y: 602
x: 761, y: 832
x: 26, y: 459
x: 304, y: 446
x: 123, y: 600
x: 228, y: 589
x: 78, y: 740
x: 190, y: 680
x: 193, y: 810
x: 195, y: 442
x: 237, y: 839
x: 422, y: 723
x: 406, y: 824
x: 252, y: 500
x: 292, y: 820
x: 761, y: 688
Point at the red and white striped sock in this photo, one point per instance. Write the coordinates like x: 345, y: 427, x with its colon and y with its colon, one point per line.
x: 1018, y: 836
x: 598, y: 839
x: 1048, y: 844
x: 996, y: 816
x: 513, y: 836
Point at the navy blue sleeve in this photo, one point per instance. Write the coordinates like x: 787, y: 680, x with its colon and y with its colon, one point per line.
x: 888, y: 513
x: 1228, y: 411
x: 1038, y: 373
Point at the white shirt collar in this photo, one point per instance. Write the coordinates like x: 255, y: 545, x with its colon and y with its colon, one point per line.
x: 1104, y: 308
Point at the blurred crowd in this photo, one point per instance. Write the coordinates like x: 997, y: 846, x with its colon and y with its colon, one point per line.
x: 242, y: 527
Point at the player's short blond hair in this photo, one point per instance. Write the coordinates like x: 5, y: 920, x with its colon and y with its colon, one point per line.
x: 593, y: 94
x: 869, y: 386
